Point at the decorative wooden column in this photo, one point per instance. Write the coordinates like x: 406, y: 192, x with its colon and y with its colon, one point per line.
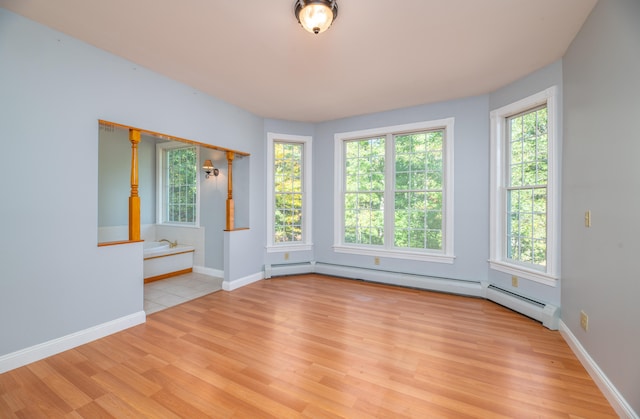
x: 230, y: 207
x: 134, y: 199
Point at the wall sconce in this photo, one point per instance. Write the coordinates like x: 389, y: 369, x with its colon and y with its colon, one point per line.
x: 208, y: 169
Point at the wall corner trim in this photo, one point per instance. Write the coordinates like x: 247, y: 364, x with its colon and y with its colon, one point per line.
x: 43, y: 350
x: 618, y: 402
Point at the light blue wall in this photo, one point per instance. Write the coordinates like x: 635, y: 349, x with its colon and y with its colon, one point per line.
x: 53, y: 89
x: 471, y: 190
x: 602, y: 174
x: 550, y: 75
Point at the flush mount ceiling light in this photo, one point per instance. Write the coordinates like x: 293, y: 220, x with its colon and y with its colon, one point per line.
x: 316, y: 15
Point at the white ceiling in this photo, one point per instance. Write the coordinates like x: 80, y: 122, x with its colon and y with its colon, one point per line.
x: 378, y: 55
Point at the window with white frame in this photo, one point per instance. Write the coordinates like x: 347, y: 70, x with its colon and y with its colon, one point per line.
x: 394, y: 191
x: 288, y: 192
x: 178, y: 186
x: 525, y: 188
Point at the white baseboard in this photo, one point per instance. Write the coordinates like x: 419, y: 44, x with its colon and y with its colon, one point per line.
x: 619, y: 404
x: 218, y: 273
x: 61, y: 344
x: 241, y: 282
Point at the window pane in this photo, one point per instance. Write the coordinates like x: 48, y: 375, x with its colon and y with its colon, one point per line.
x: 434, y: 200
x: 418, y: 180
x: 540, y: 201
x: 401, y: 219
x: 434, y: 181
x: 527, y: 187
x: 434, y: 220
x: 288, y: 193
x: 419, y: 172
x: 418, y: 162
x: 516, y: 175
x: 364, y: 196
x: 539, y: 227
x: 180, y: 188
x: 513, y: 251
x: 434, y: 240
x: 434, y: 162
x: 350, y: 235
x: 417, y: 239
x: 541, y: 173
x: 417, y: 220
x: 540, y: 252
x: 402, y: 180
x: 401, y: 238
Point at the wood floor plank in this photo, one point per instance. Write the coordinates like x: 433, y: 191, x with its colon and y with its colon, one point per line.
x: 189, y: 388
x: 129, y: 396
x: 9, y: 404
x: 116, y: 407
x: 317, y: 347
x: 94, y: 410
x: 178, y: 405
x: 77, y: 375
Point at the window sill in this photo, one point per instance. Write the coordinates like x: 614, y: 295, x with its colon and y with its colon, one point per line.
x: 522, y: 272
x: 396, y: 254
x: 177, y: 225
x: 273, y: 248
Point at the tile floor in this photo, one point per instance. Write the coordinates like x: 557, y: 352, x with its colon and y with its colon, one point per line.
x: 169, y: 292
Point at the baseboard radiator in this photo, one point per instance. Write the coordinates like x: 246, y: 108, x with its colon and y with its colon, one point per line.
x: 284, y: 269
x: 547, y: 314
x: 426, y: 282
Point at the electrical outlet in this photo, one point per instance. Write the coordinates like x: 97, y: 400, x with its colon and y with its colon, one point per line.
x: 286, y: 256
x: 514, y: 281
x: 584, y: 321
x: 376, y: 260
x: 587, y: 218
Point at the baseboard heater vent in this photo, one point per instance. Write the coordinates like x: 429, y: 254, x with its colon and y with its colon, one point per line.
x: 547, y: 314
x: 431, y: 283
x: 289, y: 269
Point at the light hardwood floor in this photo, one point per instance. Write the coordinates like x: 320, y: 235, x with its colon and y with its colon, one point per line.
x: 314, y: 346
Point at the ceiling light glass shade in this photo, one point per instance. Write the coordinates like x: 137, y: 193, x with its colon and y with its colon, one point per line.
x: 316, y: 16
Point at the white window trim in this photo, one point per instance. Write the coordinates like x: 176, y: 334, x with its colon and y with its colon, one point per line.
x: 444, y: 256
x: 307, y: 242
x: 160, y: 147
x: 498, y: 260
